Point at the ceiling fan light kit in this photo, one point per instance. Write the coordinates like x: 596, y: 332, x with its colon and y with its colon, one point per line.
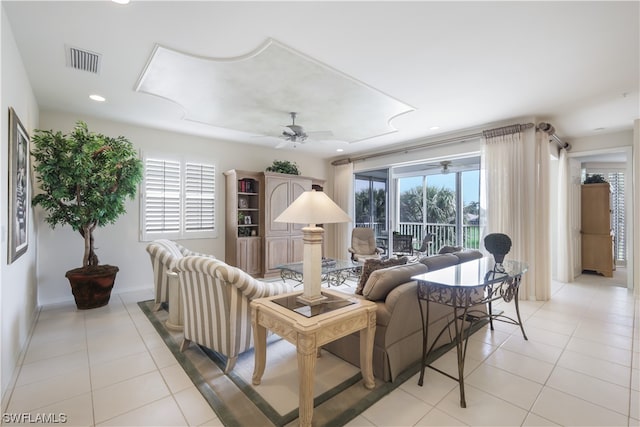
x: 445, y: 166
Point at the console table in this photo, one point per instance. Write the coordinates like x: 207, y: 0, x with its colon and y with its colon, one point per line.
x: 309, y: 328
x: 462, y: 287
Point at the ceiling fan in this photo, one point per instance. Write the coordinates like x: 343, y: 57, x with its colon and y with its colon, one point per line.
x: 294, y: 134
x: 445, y: 167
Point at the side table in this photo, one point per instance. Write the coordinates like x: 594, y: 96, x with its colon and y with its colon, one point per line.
x: 309, y: 328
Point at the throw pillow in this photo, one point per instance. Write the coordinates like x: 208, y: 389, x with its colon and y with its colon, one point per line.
x: 372, y: 265
x: 384, y: 280
x: 449, y: 249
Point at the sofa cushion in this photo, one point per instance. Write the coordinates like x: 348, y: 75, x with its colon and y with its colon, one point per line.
x: 449, y: 249
x: 436, y: 262
x: 468, y: 255
x: 384, y: 280
x: 372, y: 265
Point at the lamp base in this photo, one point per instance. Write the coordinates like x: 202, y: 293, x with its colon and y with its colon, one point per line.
x: 314, y: 300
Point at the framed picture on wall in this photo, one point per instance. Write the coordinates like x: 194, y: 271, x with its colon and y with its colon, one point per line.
x: 18, y: 188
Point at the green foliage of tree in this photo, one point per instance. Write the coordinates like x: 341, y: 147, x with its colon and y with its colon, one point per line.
x: 84, y: 178
x: 441, y: 205
x: 471, y: 209
x: 364, y: 211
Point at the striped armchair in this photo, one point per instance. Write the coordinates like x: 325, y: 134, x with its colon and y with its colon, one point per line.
x: 164, y: 255
x: 215, y: 300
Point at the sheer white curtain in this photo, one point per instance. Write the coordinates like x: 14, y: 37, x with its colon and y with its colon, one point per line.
x: 563, y: 239
x: 505, y: 210
x: 516, y: 200
x: 343, y: 196
x: 540, y: 275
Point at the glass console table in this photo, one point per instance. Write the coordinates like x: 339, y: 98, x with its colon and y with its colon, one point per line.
x: 464, y: 287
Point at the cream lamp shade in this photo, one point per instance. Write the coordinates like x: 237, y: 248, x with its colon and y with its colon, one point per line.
x: 312, y: 207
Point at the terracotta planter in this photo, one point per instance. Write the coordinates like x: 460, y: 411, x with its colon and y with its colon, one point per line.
x: 91, y: 286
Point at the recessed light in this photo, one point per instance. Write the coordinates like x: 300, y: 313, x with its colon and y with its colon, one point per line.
x: 97, y: 98
x: 121, y: 1
x: 434, y: 128
x: 339, y: 150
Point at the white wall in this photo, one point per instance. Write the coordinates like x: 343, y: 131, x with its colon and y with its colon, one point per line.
x: 118, y: 244
x: 604, y: 141
x: 633, y: 225
x: 18, y: 293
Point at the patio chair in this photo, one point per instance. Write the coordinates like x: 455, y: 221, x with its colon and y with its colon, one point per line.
x: 426, y: 243
x: 363, y: 244
x: 402, y: 244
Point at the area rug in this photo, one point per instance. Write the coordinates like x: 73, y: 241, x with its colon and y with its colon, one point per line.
x: 340, y: 395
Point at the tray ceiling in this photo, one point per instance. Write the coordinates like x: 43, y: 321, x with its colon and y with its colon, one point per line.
x: 255, y: 93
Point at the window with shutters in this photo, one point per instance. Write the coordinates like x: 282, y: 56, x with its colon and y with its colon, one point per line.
x: 178, y: 199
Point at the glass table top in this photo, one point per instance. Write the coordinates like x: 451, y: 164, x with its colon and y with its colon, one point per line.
x: 478, y: 272
x: 330, y: 304
x: 328, y: 266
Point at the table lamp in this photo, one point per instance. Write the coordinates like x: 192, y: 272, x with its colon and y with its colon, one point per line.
x: 312, y: 207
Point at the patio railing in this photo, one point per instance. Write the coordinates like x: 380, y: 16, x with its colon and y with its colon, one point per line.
x: 442, y: 234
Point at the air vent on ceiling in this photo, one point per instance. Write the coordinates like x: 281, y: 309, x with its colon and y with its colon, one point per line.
x: 83, y: 60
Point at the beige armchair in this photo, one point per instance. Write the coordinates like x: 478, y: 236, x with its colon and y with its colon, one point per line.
x: 215, y: 301
x: 363, y: 244
x: 164, y: 255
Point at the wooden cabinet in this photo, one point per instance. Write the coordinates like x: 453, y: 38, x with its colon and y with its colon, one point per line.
x: 283, y: 241
x: 258, y: 244
x: 249, y: 255
x: 244, y: 219
x: 597, y: 240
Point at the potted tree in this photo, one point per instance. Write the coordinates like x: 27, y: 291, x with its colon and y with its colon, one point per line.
x: 84, y: 180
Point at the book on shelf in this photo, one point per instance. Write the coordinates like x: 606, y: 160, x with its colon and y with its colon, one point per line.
x: 247, y: 185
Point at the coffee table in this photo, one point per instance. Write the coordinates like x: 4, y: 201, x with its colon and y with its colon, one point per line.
x: 334, y: 272
x: 309, y: 328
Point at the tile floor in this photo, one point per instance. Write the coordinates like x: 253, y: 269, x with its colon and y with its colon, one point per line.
x: 108, y: 367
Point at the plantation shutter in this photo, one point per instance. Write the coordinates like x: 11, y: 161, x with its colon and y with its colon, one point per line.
x: 162, y: 196
x: 199, y: 197
x: 616, y: 180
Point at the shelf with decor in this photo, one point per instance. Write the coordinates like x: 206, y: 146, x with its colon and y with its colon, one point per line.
x: 254, y: 242
x: 244, y: 216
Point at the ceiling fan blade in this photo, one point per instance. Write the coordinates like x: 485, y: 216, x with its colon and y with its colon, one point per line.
x: 288, y: 131
x: 282, y: 144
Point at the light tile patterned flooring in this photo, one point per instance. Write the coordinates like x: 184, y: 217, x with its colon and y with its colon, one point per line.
x: 108, y: 367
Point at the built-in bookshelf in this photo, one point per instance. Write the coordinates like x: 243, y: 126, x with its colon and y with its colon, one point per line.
x: 244, y: 220
x: 248, y: 207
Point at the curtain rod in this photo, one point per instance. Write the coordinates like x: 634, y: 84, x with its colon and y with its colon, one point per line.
x: 461, y: 138
x: 546, y: 127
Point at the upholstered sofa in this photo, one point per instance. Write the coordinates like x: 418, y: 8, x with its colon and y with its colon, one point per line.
x: 398, y: 338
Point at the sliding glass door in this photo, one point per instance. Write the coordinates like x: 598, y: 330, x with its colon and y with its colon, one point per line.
x: 441, y: 204
x: 371, y: 190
